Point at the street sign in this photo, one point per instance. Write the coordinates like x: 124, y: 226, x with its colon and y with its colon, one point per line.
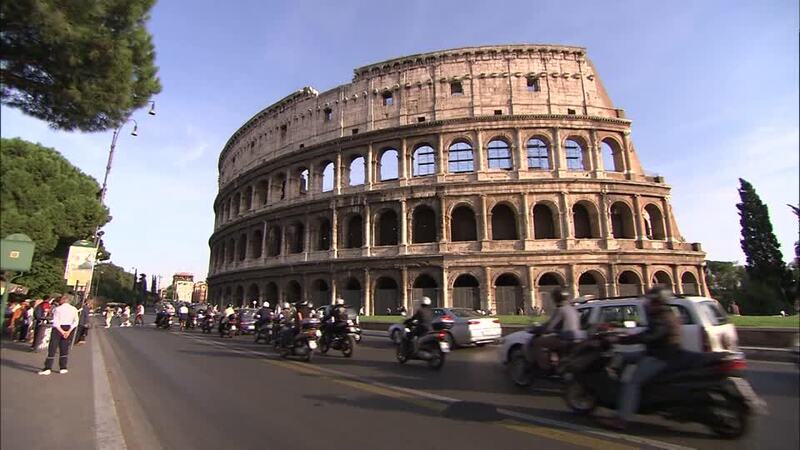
x: 17, y: 253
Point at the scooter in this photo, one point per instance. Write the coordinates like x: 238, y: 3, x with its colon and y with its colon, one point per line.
x: 339, y: 338
x: 229, y: 328
x: 264, y: 331
x: 166, y: 321
x: 430, y: 348
x: 207, y: 324
x: 700, y: 387
x: 524, y: 372
x: 303, y: 343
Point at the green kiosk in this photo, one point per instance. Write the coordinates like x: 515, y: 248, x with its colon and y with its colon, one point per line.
x: 17, y: 254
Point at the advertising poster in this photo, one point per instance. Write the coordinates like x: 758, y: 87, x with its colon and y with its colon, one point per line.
x: 80, y: 264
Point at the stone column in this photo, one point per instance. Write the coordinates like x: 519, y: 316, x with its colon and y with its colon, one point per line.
x: 283, y: 248
x: 484, y: 220
x: 667, y: 216
x: 334, y: 251
x: 402, y: 160
x: 605, y: 224
x: 646, y: 275
x: 334, y: 288
x: 526, y: 218
x: 253, y: 196
x: 404, y: 287
x: 594, y: 151
x: 521, y: 153
x: 269, y: 192
x: 638, y: 218
x: 368, y: 167
x: 626, y: 152
x: 613, y: 286
x: 489, y: 292
x: 676, y: 280
x: 568, y: 234
x: 337, y: 176
x: 288, y: 190
x: 403, y: 219
x: 264, y: 242
x: 368, y: 306
x: 440, y: 159
x: 443, y: 220
x: 306, y: 238
x: 559, y: 159
x: 446, y: 302
x: 367, y: 244
x: 701, y: 280
x: 480, y: 158
x: 532, y: 287
x: 242, y: 203
x: 573, y: 281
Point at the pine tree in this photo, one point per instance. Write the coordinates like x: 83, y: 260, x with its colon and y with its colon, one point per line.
x: 135, y: 286
x: 759, y: 244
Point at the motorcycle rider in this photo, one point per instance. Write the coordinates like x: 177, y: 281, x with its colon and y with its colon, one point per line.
x: 662, y: 337
x: 183, y: 314
x: 263, y: 315
x: 421, y: 323
x: 335, y: 317
x: 559, y: 331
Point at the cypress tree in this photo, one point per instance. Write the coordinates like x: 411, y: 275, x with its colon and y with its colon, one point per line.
x: 759, y: 244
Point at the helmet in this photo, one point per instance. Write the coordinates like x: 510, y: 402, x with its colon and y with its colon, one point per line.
x: 230, y: 305
x: 559, y: 296
x: 310, y: 305
x: 426, y: 301
x: 339, y: 301
x: 658, y: 295
x: 265, y: 305
x: 286, y: 305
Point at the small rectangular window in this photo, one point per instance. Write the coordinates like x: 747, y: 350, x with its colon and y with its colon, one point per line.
x: 533, y: 84
x: 498, y: 112
x: 571, y: 111
x: 388, y: 99
x: 302, y: 145
x: 421, y: 119
x: 355, y: 130
x: 328, y: 114
x: 456, y: 88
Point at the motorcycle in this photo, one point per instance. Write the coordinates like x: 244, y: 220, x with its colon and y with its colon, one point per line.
x: 303, y: 343
x: 166, y: 321
x: 707, y: 388
x: 431, y: 348
x: 339, y: 338
x: 207, y: 324
x: 229, y: 328
x: 264, y: 330
x: 524, y: 372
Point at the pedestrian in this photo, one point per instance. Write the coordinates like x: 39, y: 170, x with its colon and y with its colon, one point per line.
x: 41, y: 314
x: 65, y: 320
x: 83, y: 323
x: 126, y: 317
x: 109, y: 316
x: 734, y: 308
x: 16, y: 312
x: 139, y: 315
x: 24, y: 321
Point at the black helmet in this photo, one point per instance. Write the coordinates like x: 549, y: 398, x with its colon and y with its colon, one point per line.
x: 560, y: 296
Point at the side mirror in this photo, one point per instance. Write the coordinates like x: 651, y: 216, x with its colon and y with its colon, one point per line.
x: 629, y: 324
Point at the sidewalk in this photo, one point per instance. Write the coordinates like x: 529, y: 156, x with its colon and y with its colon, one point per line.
x: 40, y: 412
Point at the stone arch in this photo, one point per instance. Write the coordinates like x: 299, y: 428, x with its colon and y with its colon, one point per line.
x: 293, y: 291
x: 498, y: 154
x: 256, y: 243
x: 327, y: 173
x: 357, y: 170
x: 463, y: 224
x: 545, y: 221
x: 295, y: 237
x: 387, y: 227
x: 689, y: 283
x: 253, y: 294
x: 423, y: 160
x: 654, y: 222
x: 630, y: 284
x: 423, y: 225
x: 274, y: 240
x: 278, y: 187
x: 353, y: 231
x: 386, y: 295
x: 592, y: 284
x: 467, y: 292
x: 460, y: 157
x: 424, y: 285
x: 539, y: 153
x: 248, y: 198
x: 508, y: 294
x: 576, y: 153
x: 613, y: 158
x: 323, y: 233
x: 545, y: 285
x: 241, y: 248
x: 235, y: 204
x: 622, y: 225
x: 271, y: 293
x: 585, y: 220
x: 661, y: 279
x: 238, y: 297
x: 388, y: 164
x: 352, y: 293
x: 504, y: 223
x: 320, y: 292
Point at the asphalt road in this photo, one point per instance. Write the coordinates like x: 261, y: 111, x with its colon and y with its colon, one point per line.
x: 193, y: 391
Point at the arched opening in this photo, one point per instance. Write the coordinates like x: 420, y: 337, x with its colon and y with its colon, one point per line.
x: 235, y: 203
x: 388, y: 165
x: 248, y: 198
x: 574, y: 154
x: 662, y: 279
x: 357, y: 173
x: 424, y: 286
x: 303, y: 178
x: 352, y: 294
x: 238, y: 297
x: 296, y: 237
x: 279, y: 187
x: 622, y: 221
x: 467, y: 292
x: 231, y: 250
x: 226, y: 211
x: 328, y: 174
x: 538, y: 155
x: 463, y: 226
x: 271, y: 293
x: 262, y: 190
x: 293, y: 292
x: 654, y: 223
x: 323, y: 234
x: 386, y: 296
x: 423, y: 225
x: 387, y: 228
x: 499, y: 155
x: 630, y: 285
x: 584, y: 220
x: 613, y: 160
x: 256, y: 243
x: 274, y: 241
x: 460, y: 158
x: 508, y: 295
x: 320, y: 292
x: 228, y: 296
x: 504, y: 223
x: 689, y: 284
x: 544, y: 222
x: 253, y: 295
x: 354, y: 234
x: 548, y: 283
x: 423, y: 161
x: 591, y: 284
x: 242, y: 248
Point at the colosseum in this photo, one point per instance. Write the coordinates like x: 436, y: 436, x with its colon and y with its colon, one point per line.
x: 482, y: 177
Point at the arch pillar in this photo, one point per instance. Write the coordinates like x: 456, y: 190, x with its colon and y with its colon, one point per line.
x: 638, y: 219
x: 446, y: 302
x: 402, y: 160
x: 484, y: 222
x: 613, y: 282
x: 566, y: 220
x: 334, y: 251
x: 526, y: 220
x: 559, y: 159
x: 337, y: 174
x: 532, y: 287
x: 666, y: 213
x: 626, y: 138
x: 442, y: 223
x: 306, y: 237
x: 480, y: 158
x: 520, y: 153
x: 573, y: 281
x: 366, y: 248
x: 647, y: 282
x: 605, y: 229
x: 404, y: 288
x: 366, y: 290
x: 488, y: 288
x: 369, y: 167
x: 403, y: 227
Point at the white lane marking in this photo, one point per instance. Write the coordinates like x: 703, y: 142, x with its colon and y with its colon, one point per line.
x: 108, y: 431
x: 441, y: 398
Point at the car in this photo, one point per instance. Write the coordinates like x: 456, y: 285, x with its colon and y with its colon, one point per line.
x: 469, y: 327
x: 247, y: 320
x: 704, y: 325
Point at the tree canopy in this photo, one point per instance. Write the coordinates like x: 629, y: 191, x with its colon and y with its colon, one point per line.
x: 44, y: 196
x: 82, y: 65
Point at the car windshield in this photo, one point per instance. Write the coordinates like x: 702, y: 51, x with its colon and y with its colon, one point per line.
x: 247, y: 313
x: 712, y: 311
x: 459, y: 312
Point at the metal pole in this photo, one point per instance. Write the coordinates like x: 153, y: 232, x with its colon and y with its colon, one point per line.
x: 108, y: 164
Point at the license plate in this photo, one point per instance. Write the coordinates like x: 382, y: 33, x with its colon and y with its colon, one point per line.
x: 312, y: 344
x: 444, y: 346
x: 251, y: 327
x: 753, y: 400
x: 353, y: 330
x: 233, y: 328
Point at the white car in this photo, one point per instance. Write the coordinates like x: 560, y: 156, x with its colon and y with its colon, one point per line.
x: 469, y: 327
x: 704, y: 324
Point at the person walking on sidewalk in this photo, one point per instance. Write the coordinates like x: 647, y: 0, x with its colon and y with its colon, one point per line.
x: 139, y: 315
x: 83, y: 323
x: 65, y: 319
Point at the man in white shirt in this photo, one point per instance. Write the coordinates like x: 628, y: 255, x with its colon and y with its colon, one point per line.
x: 65, y: 320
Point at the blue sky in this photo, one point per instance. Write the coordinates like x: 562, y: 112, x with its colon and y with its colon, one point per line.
x: 712, y: 88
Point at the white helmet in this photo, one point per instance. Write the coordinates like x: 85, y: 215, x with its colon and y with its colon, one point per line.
x: 339, y: 301
x: 265, y: 305
x: 426, y: 301
x: 286, y: 305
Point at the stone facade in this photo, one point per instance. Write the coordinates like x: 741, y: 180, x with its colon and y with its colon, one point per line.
x: 481, y: 177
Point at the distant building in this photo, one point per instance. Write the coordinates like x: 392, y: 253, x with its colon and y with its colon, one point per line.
x: 200, y: 292
x: 183, y: 287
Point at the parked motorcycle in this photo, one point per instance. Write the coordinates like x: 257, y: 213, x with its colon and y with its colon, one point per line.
x: 707, y: 388
x: 430, y: 348
x: 342, y: 337
x: 229, y: 328
x: 303, y: 343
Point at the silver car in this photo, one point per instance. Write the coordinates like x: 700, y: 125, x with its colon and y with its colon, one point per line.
x: 469, y: 327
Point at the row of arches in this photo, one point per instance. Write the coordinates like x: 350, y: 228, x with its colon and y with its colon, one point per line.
x: 460, y: 157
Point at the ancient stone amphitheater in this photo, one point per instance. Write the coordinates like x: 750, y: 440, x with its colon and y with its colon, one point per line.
x: 482, y: 177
